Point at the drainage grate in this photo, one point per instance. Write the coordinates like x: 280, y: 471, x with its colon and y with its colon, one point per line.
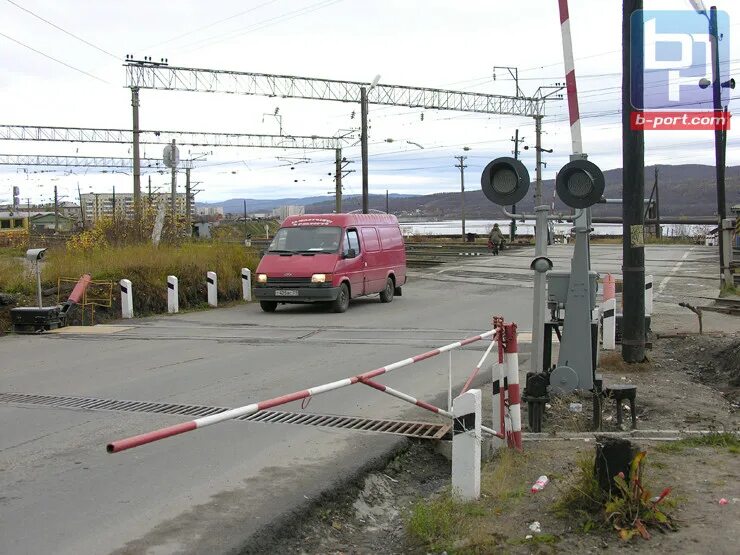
x: 423, y: 430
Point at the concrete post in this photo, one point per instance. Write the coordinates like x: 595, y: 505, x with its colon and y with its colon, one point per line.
x: 246, y: 284
x: 173, y: 299
x: 466, y: 444
x: 609, y: 327
x: 648, y: 295
x: 127, y: 299
x: 212, y: 286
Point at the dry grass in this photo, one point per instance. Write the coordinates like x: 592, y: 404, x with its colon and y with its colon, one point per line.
x: 612, y: 362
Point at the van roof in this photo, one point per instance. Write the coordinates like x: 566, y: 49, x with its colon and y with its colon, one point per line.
x: 341, y: 220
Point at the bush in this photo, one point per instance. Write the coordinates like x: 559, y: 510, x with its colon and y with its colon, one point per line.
x: 148, y: 267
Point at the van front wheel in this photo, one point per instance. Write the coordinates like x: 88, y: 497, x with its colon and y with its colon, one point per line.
x: 341, y: 303
x: 386, y: 295
x: 268, y: 306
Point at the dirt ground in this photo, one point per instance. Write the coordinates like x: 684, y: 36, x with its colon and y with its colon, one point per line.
x: 690, y: 382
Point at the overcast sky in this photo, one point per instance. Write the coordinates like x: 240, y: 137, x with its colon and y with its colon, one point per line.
x: 435, y: 43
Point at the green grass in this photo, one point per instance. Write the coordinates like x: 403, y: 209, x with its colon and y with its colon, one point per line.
x: 728, y: 290
x: 719, y: 441
x: 582, y: 498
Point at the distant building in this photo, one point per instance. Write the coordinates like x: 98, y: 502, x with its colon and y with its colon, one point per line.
x: 210, y: 211
x: 13, y: 228
x: 101, y: 205
x: 283, y: 212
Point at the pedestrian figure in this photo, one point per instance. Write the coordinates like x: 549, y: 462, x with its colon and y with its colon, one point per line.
x: 495, y: 240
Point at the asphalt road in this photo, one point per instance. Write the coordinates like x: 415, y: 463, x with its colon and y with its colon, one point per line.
x: 208, y: 491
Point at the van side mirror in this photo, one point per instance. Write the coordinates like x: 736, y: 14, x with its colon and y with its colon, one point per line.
x: 350, y: 253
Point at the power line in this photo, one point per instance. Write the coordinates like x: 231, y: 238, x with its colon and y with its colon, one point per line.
x: 55, y: 60
x: 37, y: 16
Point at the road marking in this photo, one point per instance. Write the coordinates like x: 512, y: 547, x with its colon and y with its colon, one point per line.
x: 675, y: 268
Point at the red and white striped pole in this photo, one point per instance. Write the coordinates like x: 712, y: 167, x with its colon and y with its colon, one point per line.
x: 142, y: 439
x: 511, y: 363
x: 477, y: 368
x: 570, y: 79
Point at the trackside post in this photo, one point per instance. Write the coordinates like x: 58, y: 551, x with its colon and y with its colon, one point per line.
x: 466, y: 446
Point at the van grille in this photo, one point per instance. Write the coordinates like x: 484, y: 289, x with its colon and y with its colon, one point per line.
x: 283, y: 281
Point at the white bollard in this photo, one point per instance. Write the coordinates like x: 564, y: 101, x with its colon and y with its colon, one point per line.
x: 173, y: 299
x: 609, y: 327
x: 127, y: 299
x: 498, y: 378
x: 246, y: 284
x: 212, y: 286
x: 648, y: 295
x: 466, y: 440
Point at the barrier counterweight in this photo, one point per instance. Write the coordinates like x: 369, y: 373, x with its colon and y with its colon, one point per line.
x: 142, y: 439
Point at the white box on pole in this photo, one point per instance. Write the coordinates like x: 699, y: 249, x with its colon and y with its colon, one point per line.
x: 173, y: 299
x: 127, y: 299
x: 466, y: 445
x: 212, y: 286
x: 246, y: 284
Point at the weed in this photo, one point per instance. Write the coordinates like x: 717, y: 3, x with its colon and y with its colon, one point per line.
x: 437, y: 522
x: 728, y: 290
x: 723, y: 440
x: 613, y: 362
x: 583, y: 497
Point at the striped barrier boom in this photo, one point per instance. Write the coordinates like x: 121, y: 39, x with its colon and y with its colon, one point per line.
x: 169, y: 431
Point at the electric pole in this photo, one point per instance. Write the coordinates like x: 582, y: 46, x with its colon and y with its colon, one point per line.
x: 462, y: 167
x: 113, y: 204
x: 658, y: 229
x: 150, y: 191
x: 363, y: 148
x: 82, y: 208
x: 540, y: 249
x: 173, y: 194
x: 633, y: 189
x: 338, y: 180
x: 188, y: 208
x: 387, y: 204
x: 516, y: 140
x: 136, y: 156
x: 56, y: 210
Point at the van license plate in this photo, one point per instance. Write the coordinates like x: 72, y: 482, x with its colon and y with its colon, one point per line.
x: 286, y: 293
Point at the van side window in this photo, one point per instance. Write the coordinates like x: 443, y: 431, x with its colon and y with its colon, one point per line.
x: 370, y: 238
x: 352, y: 242
x: 390, y: 237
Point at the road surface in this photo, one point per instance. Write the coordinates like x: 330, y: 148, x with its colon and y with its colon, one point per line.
x: 208, y: 491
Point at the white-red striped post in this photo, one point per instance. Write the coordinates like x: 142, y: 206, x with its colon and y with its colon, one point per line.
x: 212, y: 287
x: 127, y: 299
x: 511, y: 362
x: 570, y: 79
x: 499, y: 402
x: 173, y: 300
x: 466, y: 443
x: 142, y: 439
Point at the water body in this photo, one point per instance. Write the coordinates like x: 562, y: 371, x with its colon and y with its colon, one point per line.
x: 483, y: 227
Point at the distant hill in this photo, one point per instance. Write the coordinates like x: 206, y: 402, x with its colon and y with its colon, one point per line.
x: 685, y: 190
x: 236, y: 205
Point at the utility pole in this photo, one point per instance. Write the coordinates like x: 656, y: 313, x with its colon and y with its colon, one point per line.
x: 540, y: 249
x: 363, y: 148
x: 387, y: 204
x: 245, y: 216
x: 516, y: 140
x: 462, y: 167
x: 136, y: 156
x: 338, y: 180
x: 633, y: 190
x: 150, y: 190
x: 173, y: 194
x: 113, y: 204
x: 82, y: 208
x: 56, y: 210
x: 719, y: 138
x: 188, y: 208
x: 658, y: 230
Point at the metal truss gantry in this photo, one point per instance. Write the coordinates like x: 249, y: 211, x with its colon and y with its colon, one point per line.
x: 163, y: 77
x: 156, y: 137
x: 77, y: 161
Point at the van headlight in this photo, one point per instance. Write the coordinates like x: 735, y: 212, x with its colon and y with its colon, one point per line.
x: 321, y: 278
x: 261, y: 278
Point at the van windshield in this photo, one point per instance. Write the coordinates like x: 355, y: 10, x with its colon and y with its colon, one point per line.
x: 306, y: 239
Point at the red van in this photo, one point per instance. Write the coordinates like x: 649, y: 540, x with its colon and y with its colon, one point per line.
x: 332, y: 258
